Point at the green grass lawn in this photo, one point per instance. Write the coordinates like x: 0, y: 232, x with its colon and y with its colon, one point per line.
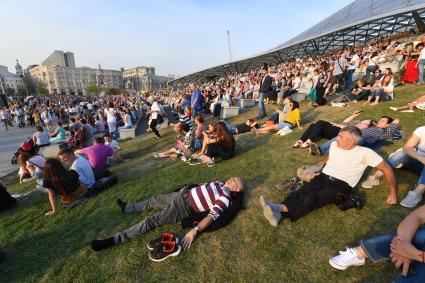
x: 57, y: 249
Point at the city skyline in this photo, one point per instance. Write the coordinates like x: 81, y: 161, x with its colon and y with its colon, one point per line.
x: 174, y: 37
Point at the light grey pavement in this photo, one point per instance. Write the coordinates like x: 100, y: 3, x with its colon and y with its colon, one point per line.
x: 9, y: 143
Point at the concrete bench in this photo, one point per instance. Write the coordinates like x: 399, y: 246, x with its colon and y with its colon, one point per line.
x: 246, y: 103
x: 50, y: 151
x: 128, y: 133
x: 229, y: 112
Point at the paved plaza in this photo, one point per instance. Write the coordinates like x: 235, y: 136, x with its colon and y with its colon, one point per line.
x: 9, y: 143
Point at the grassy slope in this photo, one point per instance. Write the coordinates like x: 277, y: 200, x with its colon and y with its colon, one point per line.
x: 57, y: 249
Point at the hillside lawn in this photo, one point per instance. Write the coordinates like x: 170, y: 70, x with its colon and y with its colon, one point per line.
x: 57, y: 249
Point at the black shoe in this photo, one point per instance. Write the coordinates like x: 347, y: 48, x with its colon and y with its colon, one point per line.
x: 121, y: 204
x: 194, y: 161
x: 98, y: 245
x: 2, y: 256
x: 166, y: 237
x: 165, y: 250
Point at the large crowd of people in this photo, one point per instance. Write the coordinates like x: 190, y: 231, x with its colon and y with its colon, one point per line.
x: 88, y: 131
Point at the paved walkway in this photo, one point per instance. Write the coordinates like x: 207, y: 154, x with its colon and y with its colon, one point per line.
x: 9, y: 143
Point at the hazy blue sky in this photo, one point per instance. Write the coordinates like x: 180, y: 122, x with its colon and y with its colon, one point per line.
x: 176, y: 37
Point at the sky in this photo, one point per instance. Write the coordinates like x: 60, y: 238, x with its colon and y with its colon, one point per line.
x: 175, y: 37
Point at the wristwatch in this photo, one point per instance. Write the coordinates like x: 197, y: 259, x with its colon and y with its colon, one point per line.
x: 196, y: 228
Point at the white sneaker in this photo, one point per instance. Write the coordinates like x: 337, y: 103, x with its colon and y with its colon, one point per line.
x: 411, y: 200
x: 393, y: 108
x: 273, y: 217
x: 346, y: 258
x: 408, y: 111
x: 370, y: 182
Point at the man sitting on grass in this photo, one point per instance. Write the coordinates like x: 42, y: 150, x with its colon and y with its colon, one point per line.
x: 406, y: 249
x: 344, y: 167
x: 214, y: 197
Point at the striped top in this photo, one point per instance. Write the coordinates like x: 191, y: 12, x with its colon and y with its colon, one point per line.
x: 212, y: 197
x: 185, y: 119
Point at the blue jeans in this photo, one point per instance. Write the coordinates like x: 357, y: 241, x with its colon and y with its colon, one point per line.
x: 370, y: 69
x: 378, y: 249
x: 261, y: 107
x: 413, y: 165
x: 421, y: 65
x: 381, y: 94
x: 349, y: 81
x: 232, y: 129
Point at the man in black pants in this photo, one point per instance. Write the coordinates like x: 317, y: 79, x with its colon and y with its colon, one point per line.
x: 322, y: 129
x: 344, y: 167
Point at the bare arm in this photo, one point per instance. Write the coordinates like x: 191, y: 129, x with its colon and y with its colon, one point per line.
x: 52, y: 200
x: 354, y: 115
x: 409, y: 148
x: 190, y: 236
x: 389, y: 177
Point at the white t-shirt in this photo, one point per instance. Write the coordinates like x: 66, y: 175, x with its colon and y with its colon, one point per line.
x: 422, y: 54
x: 155, y: 107
x: 84, y: 170
x: 349, y: 165
x: 111, y: 120
x: 356, y: 61
x: 420, y: 132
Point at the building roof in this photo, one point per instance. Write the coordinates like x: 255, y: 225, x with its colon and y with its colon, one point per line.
x: 358, y: 22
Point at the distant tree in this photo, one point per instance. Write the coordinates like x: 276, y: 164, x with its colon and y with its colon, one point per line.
x: 22, y: 91
x: 41, y: 88
x: 92, y: 89
x: 111, y: 91
x: 122, y: 69
x: 9, y: 91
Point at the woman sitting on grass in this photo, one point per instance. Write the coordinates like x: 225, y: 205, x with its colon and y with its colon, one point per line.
x: 218, y: 143
x: 59, y: 181
x: 292, y: 119
x: 418, y: 103
x: 59, y: 134
x: 382, y: 90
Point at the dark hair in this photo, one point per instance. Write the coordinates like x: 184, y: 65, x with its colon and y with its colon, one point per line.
x: 99, y: 140
x: 106, y: 135
x: 295, y: 105
x: 420, y: 44
x: 389, y: 119
x: 265, y: 67
x: 225, y: 139
x: 83, y: 121
x: 65, y: 151
x: 58, y: 176
x: 199, y: 119
x: 39, y: 128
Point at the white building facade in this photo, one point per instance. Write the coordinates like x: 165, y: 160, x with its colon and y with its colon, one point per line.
x: 144, y: 79
x: 9, y: 80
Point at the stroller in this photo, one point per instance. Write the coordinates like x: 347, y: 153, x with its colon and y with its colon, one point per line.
x: 27, y: 146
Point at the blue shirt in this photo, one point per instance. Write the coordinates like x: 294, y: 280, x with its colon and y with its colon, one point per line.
x: 185, y: 103
x: 83, y: 168
x: 196, y: 95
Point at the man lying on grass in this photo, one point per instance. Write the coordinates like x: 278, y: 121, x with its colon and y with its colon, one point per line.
x: 212, y: 197
x: 344, y: 167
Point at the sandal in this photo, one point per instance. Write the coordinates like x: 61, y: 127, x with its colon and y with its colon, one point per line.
x: 298, y: 144
x: 304, y: 145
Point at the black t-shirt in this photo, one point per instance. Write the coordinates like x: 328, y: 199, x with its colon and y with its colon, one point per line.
x: 71, y: 186
x: 243, y: 128
x: 364, y: 85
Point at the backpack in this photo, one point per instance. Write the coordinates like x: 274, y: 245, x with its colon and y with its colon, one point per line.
x: 6, y: 200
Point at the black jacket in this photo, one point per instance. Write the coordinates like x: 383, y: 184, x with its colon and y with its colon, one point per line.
x: 266, y: 85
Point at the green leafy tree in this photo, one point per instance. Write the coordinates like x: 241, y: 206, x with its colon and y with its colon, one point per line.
x: 41, y: 88
x: 9, y: 91
x: 92, y: 89
x: 112, y: 91
x: 22, y: 91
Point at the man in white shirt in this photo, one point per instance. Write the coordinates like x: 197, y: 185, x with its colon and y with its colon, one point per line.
x: 344, y: 167
x: 421, y: 62
x: 352, y: 66
x: 340, y: 65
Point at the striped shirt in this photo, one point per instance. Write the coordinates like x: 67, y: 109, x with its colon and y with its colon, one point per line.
x: 185, y: 119
x: 212, y: 197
